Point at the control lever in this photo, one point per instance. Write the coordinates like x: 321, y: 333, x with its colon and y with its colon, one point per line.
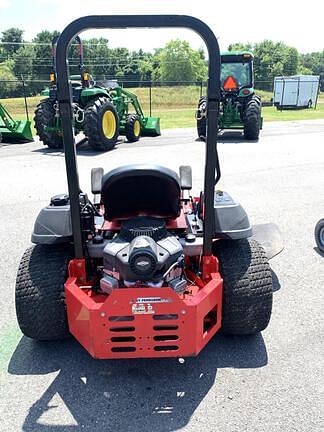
x: 185, y: 177
x: 96, y: 180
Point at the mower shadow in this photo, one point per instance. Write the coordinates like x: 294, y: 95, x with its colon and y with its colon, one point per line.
x: 235, y: 137
x: 13, y: 143
x: 127, y: 395
x: 83, y: 149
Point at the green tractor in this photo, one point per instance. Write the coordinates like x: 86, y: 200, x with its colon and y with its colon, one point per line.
x: 240, y: 107
x: 101, y: 113
x: 131, y: 125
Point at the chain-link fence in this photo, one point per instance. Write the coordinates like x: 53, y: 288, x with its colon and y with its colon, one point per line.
x: 155, y: 97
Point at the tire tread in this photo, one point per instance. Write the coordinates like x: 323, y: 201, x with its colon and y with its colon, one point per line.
x: 252, y: 118
x: 44, y: 115
x: 91, y: 120
x: 40, y: 296
x: 247, y: 286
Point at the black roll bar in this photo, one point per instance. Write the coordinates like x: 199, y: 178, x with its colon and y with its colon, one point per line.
x: 79, y: 43
x: 66, y: 113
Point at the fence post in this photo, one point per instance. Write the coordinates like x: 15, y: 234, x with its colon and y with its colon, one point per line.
x: 150, y: 91
x: 25, y: 99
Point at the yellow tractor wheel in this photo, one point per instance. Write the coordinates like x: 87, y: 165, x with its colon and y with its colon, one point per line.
x: 133, y: 128
x: 101, y: 124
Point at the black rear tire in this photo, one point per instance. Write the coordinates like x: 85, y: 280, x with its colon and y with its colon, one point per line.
x: 319, y: 235
x: 252, y: 118
x: 45, y: 116
x: 247, y: 286
x: 40, y: 296
x: 101, y: 124
x: 202, y: 120
x: 133, y: 128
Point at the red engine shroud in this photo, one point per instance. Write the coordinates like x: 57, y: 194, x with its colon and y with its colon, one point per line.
x: 144, y: 321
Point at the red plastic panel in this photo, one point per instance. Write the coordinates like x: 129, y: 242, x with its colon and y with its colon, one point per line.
x: 144, y: 322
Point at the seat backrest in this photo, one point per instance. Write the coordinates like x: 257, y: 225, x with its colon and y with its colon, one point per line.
x: 136, y: 190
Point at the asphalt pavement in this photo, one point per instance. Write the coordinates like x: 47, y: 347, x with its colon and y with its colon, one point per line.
x: 270, y: 382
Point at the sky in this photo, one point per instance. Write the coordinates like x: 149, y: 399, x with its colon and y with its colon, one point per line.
x: 298, y: 24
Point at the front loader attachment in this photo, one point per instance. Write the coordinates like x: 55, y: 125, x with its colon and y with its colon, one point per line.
x: 21, y: 132
x: 14, y: 130
x: 151, y: 126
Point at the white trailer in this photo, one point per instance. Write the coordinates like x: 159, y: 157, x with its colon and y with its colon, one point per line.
x: 298, y: 91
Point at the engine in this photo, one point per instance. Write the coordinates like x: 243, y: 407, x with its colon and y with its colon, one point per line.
x: 144, y: 253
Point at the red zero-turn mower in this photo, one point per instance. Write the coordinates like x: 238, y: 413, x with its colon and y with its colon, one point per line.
x: 145, y: 270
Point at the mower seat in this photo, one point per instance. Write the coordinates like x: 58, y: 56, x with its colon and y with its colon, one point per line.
x: 141, y: 189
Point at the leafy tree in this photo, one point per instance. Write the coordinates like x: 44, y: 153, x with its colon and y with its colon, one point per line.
x: 131, y: 68
x: 146, y: 68
x: 42, y: 61
x: 13, y: 37
x: 303, y: 70
x: 119, y: 74
x: 96, y: 56
x: 43, y: 55
x: 270, y: 59
x: 179, y: 62
x: 176, y: 61
x: 291, y: 61
x: 314, y: 64
x: 273, y: 59
x: 8, y: 87
x: 23, y: 60
x: 238, y: 46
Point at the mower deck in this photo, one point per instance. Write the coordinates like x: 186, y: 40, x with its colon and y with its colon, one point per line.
x: 143, y: 322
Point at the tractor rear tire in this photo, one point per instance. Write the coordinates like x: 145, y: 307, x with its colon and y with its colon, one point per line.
x: 101, y: 124
x: 252, y: 118
x: 319, y: 235
x: 133, y: 128
x: 40, y: 296
x: 247, y: 286
x: 202, y: 122
x: 45, y: 116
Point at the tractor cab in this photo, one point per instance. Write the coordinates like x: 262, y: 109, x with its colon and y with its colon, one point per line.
x: 240, y: 107
x: 237, y: 73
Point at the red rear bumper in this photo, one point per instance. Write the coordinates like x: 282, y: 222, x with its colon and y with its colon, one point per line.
x: 144, y: 322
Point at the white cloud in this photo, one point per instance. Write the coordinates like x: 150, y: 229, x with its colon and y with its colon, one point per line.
x: 4, y: 4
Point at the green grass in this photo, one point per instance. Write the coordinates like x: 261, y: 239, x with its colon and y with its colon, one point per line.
x: 272, y: 114
x: 176, y: 106
x: 182, y: 118
x: 186, y: 117
x: 172, y: 119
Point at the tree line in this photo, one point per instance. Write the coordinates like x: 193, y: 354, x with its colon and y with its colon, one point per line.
x: 277, y: 59
x: 175, y: 62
